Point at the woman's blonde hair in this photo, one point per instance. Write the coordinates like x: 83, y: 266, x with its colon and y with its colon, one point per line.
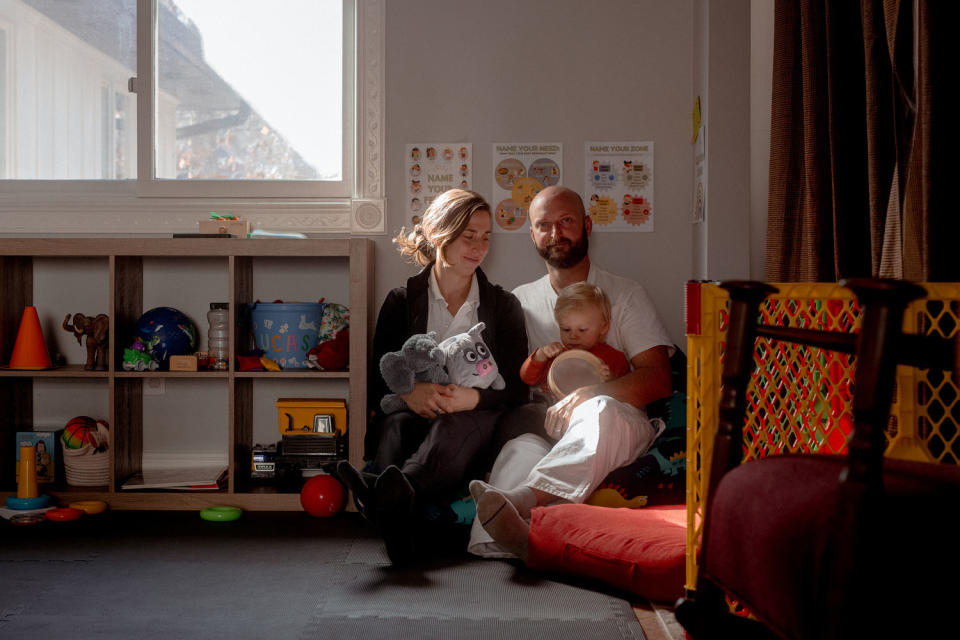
x: 442, y: 223
x: 579, y: 295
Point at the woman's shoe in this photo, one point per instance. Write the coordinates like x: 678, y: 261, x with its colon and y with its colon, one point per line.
x: 357, y: 483
x: 393, y: 506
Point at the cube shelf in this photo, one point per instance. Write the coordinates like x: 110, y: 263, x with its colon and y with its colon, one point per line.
x: 124, y: 277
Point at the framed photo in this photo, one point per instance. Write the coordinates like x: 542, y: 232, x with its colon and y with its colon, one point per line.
x: 322, y: 423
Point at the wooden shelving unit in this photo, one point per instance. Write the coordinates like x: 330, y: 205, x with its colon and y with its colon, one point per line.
x: 124, y: 258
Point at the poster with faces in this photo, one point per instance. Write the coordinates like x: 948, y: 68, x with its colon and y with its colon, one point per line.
x: 431, y: 169
x: 520, y: 171
x: 618, y: 191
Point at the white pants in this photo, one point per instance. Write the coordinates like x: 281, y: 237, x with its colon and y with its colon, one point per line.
x: 604, y: 434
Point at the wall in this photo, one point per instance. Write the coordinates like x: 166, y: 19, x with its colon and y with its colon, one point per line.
x: 568, y: 71
x: 721, y: 77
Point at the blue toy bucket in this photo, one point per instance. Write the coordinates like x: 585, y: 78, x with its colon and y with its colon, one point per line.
x: 285, y: 332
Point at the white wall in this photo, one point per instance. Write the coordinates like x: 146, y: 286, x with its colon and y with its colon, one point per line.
x: 721, y: 77
x: 565, y: 70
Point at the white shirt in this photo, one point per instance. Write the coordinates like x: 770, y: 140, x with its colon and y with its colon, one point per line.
x: 634, y: 324
x: 439, y: 318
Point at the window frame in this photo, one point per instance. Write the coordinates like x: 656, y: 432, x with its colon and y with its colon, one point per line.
x: 147, y: 206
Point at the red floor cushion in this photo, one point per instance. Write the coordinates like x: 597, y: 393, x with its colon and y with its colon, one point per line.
x: 639, y: 550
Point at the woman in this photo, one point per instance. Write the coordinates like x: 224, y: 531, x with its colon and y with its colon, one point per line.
x: 429, y: 451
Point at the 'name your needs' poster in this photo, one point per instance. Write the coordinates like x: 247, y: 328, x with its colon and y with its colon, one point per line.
x: 520, y: 171
x: 618, y: 190
x: 431, y: 169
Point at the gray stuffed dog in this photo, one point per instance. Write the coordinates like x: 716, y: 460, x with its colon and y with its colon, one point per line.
x: 463, y: 359
x: 419, y: 360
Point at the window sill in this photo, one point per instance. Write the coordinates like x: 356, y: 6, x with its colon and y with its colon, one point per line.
x: 94, y: 208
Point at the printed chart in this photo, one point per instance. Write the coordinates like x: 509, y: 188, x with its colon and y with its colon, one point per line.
x: 619, y: 185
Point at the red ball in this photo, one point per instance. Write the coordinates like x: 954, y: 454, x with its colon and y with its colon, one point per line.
x: 322, y: 496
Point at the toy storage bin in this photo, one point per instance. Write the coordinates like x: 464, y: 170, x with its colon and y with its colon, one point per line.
x: 286, y: 331
x: 811, y: 410
x: 86, y: 467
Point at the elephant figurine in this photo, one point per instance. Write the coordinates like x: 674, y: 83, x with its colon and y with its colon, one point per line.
x: 96, y: 329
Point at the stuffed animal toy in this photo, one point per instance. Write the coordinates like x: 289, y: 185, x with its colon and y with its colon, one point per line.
x: 468, y: 360
x: 331, y: 355
x: 419, y: 360
x: 463, y: 359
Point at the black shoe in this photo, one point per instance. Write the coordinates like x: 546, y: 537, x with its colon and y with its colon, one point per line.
x: 357, y: 483
x: 393, y: 505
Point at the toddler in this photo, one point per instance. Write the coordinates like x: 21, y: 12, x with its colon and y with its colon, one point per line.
x: 583, y: 314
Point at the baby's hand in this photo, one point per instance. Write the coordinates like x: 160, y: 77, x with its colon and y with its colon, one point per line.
x: 605, y: 372
x: 548, y: 351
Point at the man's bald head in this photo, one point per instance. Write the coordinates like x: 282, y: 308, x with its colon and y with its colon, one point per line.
x: 557, y: 192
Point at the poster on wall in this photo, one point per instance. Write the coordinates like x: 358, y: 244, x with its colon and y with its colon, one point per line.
x: 431, y: 169
x: 619, y: 185
x: 520, y: 171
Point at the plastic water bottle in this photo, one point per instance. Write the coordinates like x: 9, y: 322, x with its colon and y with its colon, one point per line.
x: 218, y: 337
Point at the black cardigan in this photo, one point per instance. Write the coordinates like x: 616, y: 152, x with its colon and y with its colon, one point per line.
x: 404, y: 313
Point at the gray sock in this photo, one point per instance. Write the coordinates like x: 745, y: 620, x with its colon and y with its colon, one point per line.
x: 522, y: 497
x: 500, y: 518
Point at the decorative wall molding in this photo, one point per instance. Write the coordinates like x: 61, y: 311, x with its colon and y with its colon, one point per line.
x: 371, y: 18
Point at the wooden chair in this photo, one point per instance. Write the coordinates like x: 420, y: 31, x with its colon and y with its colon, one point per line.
x: 828, y: 546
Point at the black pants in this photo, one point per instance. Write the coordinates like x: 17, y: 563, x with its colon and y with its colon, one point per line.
x: 437, y: 455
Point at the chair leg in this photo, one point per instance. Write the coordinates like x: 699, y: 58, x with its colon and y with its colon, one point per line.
x: 706, y: 615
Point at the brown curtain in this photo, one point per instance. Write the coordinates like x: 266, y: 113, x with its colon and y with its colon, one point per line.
x: 859, y: 141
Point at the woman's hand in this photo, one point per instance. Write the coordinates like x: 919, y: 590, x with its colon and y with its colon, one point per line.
x: 425, y: 399
x: 459, y: 399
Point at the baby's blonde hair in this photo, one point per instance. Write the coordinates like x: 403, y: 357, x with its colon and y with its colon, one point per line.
x: 579, y: 295
x: 442, y: 223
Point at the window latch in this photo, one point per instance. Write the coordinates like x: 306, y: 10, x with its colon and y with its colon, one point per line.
x: 132, y: 85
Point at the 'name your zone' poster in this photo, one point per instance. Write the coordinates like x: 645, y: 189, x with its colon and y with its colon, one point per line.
x: 618, y: 190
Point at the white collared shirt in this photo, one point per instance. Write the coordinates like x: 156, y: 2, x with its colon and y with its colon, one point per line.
x: 439, y: 318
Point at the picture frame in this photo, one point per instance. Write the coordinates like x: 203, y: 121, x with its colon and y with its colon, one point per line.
x: 323, y: 423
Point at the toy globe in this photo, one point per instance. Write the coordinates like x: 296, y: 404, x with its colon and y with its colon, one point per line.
x: 322, y: 496
x: 79, y: 431
x: 166, y: 332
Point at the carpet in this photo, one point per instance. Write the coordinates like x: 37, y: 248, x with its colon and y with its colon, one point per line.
x: 280, y: 575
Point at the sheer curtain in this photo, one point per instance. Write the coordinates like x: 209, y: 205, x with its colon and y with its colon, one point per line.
x: 859, y: 141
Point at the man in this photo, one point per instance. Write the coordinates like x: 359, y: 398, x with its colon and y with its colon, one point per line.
x: 598, y: 428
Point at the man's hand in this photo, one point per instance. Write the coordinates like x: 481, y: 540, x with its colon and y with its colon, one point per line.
x: 558, y: 416
x: 459, y: 399
x: 549, y: 351
x: 649, y: 381
x: 426, y: 398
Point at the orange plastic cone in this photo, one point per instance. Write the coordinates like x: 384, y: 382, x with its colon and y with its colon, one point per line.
x: 30, y: 351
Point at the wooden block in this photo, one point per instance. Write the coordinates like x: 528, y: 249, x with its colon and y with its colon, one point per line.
x: 239, y: 228
x: 183, y: 363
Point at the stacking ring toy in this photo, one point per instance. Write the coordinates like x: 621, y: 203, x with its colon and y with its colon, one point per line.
x: 89, y: 507
x: 22, y: 519
x: 64, y: 514
x: 220, y: 513
x: 39, y: 502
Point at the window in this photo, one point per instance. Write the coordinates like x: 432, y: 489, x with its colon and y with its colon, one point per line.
x: 4, y: 110
x: 148, y: 106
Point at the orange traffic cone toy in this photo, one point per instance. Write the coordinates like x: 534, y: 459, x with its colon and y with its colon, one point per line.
x: 30, y: 351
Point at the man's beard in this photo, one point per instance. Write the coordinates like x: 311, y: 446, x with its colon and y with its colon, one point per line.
x: 565, y: 254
